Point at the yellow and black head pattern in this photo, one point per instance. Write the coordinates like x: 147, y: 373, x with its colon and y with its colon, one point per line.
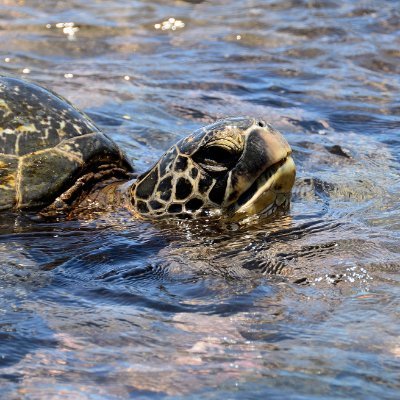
x: 235, y: 167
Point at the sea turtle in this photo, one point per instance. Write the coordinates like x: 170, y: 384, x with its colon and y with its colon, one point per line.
x: 55, y: 160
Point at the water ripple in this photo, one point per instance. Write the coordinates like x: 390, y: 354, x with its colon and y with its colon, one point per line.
x: 115, y: 308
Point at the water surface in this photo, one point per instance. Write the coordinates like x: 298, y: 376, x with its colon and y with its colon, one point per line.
x: 115, y: 308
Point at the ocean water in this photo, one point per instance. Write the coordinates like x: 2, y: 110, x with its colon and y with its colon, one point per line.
x: 115, y: 308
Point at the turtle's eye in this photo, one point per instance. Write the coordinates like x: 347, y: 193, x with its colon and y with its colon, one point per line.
x: 216, y: 159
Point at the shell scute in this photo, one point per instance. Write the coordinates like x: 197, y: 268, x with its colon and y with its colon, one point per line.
x: 46, y: 145
x: 8, y: 177
x: 43, y: 174
x: 90, y: 148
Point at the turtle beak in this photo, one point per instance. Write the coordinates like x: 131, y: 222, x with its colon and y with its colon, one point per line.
x: 265, y: 173
x: 275, y: 146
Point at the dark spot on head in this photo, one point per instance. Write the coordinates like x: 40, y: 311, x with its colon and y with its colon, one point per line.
x: 164, y: 188
x: 183, y: 188
x: 142, y: 207
x: 155, y: 205
x: 194, y: 204
x: 217, y: 193
x: 189, y: 144
x: 215, y: 159
x: 165, y: 184
x: 194, y: 172
x: 181, y: 164
x: 175, y: 208
x: 166, y: 195
x: 146, y: 187
x: 205, y: 183
x: 167, y: 160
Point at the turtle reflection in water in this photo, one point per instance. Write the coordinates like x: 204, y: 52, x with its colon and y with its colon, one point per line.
x: 54, y: 160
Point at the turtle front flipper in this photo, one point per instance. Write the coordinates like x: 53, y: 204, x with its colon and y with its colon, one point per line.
x: 92, y: 193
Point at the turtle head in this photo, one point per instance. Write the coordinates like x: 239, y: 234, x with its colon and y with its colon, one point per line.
x: 233, y: 168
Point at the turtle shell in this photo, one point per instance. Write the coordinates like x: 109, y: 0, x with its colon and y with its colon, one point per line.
x: 46, y: 145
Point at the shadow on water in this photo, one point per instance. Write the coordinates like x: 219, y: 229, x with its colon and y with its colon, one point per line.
x: 301, y: 306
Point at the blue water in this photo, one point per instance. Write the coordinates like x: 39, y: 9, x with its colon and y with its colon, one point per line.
x: 115, y: 308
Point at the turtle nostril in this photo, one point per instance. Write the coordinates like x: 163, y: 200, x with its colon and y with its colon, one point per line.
x: 262, y: 124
